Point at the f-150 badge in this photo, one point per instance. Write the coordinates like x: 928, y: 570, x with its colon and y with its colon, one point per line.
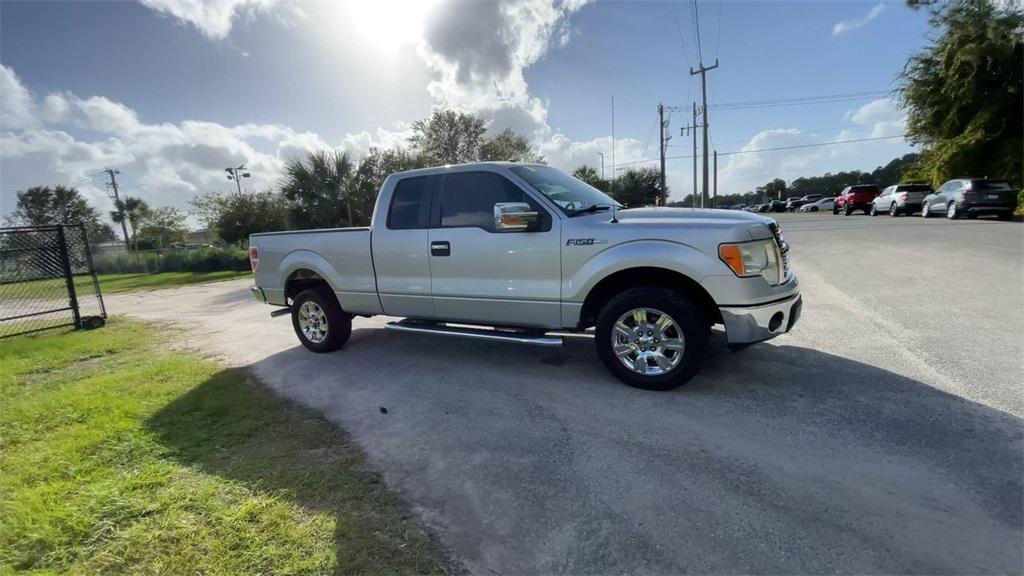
x: 583, y: 242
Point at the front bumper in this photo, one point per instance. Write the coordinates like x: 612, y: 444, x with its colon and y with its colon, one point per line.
x: 749, y: 324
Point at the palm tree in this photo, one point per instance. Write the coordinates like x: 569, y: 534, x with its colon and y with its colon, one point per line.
x: 317, y: 189
x: 133, y: 210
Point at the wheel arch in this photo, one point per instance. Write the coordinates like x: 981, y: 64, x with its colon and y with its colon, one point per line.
x: 616, y: 282
x: 303, y: 279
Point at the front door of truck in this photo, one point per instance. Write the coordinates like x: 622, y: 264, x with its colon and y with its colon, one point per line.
x: 483, y: 275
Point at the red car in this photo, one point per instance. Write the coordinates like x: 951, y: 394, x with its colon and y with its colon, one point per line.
x: 857, y: 197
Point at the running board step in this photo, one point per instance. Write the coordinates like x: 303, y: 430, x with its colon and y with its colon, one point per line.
x: 478, y: 333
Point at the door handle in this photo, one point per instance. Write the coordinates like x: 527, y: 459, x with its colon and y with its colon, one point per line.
x: 442, y: 248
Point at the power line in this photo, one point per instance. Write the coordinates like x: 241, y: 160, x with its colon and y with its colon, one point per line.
x: 835, y: 142
x: 696, y: 26
x: 801, y: 100
x: 679, y: 31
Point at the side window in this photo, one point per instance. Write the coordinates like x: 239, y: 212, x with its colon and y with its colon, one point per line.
x: 408, y: 208
x: 468, y: 198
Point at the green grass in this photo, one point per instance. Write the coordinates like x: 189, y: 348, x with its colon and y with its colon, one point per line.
x: 114, y: 283
x: 118, y: 455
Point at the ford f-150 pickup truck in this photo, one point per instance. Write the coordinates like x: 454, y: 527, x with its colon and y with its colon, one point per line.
x: 514, y: 252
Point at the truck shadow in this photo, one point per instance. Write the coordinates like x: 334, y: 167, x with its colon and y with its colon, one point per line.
x: 445, y: 419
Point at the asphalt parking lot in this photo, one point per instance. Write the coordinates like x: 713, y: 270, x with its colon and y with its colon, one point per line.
x: 884, y: 435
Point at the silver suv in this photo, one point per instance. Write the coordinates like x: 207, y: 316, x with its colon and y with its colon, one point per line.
x: 900, y: 199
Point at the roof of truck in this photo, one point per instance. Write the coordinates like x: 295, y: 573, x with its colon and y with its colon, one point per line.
x: 437, y: 169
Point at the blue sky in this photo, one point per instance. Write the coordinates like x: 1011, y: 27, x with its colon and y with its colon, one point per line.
x: 172, y: 91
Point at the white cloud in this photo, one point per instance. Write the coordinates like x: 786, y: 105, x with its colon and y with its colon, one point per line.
x: 15, y: 102
x: 854, y: 23
x: 214, y: 18
x: 480, y: 50
x: 884, y: 117
x: 166, y: 164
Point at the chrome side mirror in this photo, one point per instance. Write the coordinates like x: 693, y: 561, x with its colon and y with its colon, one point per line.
x: 513, y: 216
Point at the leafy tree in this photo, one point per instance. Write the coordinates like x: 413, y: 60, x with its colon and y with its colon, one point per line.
x: 43, y: 205
x: 774, y: 190
x: 589, y: 175
x: 449, y: 137
x: 316, y: 190
x: 373, y: 169
x: 233, y: 217
x: 133, y: 210
x: 963, y: 92
x: 160, y: 227
x: 509, y: 146
x: 639, y: 187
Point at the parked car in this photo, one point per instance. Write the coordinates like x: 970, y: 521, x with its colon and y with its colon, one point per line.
x: 857, y: 197
x: 971, y: 197
x: 518, y: 250
x: 790, y: 203
x: 900, y: 199
x: 804, y: 200
x: 819, y: 206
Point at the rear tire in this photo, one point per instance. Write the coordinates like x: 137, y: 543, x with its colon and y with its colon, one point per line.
x: 690, y: 325
x: 318, y: 320
x: 893, y: 210
x: 951, y: 211
x: 1005, y: 216
x: 847, y: 211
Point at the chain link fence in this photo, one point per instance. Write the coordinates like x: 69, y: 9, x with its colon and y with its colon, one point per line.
x: 47, y: 280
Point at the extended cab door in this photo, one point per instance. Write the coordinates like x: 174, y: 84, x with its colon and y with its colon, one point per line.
x: 482, y: 275
x: 400, y: 257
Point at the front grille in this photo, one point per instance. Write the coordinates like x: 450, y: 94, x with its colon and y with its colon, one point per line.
x: 783, y: 247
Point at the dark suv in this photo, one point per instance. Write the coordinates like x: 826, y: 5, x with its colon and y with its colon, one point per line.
x: 792, y: 204
x: 971, y: 197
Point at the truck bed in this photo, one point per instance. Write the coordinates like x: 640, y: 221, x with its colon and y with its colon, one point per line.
x: 341, y: 256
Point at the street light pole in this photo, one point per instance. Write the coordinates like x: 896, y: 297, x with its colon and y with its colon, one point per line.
x: 601, y: 154
x: 237, y: 174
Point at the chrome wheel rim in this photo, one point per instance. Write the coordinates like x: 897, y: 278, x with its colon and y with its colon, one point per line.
x: 648, y: 341
x: 924, y: 210
x: 313, y: 322
x: 892, y: 210
x: 951, y: 211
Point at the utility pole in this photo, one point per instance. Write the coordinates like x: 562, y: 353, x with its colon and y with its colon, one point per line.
x: 702, y: 70
x: 661, y: 140
x: 694, y: 126
x: 714, y: 198
x: 601, y: 154
x: 117, y: 204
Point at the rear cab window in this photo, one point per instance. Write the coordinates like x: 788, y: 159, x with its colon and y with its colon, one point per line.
x: 409, y: 204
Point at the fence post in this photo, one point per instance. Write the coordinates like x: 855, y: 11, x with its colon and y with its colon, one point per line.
x: 69, y: 278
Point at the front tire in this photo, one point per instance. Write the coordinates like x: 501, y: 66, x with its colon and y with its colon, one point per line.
x: 652, y: 338
x: 319, y: 322
x: 924, y: 211
x: 873, y: 211
x: 835, y: 210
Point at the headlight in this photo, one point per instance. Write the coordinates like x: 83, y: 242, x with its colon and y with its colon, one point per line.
x: 749, y: 259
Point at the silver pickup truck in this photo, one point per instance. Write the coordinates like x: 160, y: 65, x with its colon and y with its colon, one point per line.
x: 511, y: 252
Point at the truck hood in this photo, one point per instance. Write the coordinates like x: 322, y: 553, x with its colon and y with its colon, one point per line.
x: 747, y: 224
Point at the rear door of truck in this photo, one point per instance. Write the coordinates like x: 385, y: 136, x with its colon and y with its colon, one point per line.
x: 399, y: 246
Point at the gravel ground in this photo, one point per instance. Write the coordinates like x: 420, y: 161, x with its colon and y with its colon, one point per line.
x: 884, y: 435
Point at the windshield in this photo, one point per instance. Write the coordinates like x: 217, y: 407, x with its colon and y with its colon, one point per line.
x: 568, y: 193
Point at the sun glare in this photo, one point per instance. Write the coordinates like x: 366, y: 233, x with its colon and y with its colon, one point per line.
x: 388, y: 24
